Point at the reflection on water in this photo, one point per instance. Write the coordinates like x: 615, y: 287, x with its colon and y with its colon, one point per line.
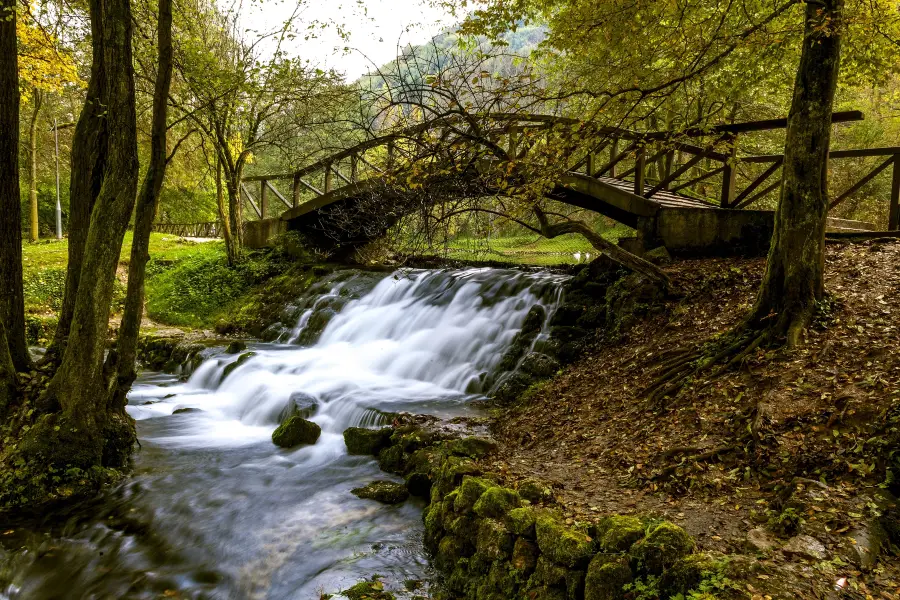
x: 214, y: 510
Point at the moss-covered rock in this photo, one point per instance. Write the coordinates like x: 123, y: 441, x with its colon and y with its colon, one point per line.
x: 606, y: 576
x: 474, y: 447
x: 229, y: 368
x: 434, y: 527
x: 618, y: 533
x: 524, y: 557
x: 360, y: 440
x: 470, y: 492
x: 393, y: 460
x: 465, y: 527
x: 535, y: 492
x: 663, y: 547
x: 495, y: 502
x: 296, y: 431
x: 386, y: 492
x: 450, y: 550
x: 549, y: 575
x: 521, y: 521
x: 563, y: 545
x: 687, y: 573
x: 368, y: 590
x: 235, y: 347
x: 494, y: 541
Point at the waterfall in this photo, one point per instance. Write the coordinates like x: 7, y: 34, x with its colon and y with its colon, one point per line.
x: 419, y: 341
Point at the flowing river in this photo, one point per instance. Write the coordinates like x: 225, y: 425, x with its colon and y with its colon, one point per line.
x: 215, y: 510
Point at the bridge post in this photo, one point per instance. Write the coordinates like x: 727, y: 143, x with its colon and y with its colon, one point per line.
x: 639, y: 168
x: 729, y: 176
x: 328, y: 175
x: 354, y: 168
x: 590, y: 168
x: 263, y: 199
x: 894, y: 214
x: 613, y: 153
x: 295, y: 191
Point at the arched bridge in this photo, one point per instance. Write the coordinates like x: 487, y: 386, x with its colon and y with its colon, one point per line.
x: 692, y: 191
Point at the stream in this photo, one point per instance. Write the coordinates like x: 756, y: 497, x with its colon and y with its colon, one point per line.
x: 215, y: 510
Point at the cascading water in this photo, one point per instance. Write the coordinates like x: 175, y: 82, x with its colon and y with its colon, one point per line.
x: 225, y: 513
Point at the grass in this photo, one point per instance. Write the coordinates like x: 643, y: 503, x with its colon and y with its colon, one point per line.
x: 188, y: 283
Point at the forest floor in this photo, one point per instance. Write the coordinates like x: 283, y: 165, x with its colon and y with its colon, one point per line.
x: 791, y: 442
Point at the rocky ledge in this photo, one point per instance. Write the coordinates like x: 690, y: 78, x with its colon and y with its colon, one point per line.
x: 492, y: 542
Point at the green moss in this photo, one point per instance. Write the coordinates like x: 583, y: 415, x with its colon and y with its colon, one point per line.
x: 392, y: 459
x: 464, y: 527
x: 296, y: 431
x: 450, y: 550
x: 386, y: 492
x: 690, y: 572
x: 535, y: 492
x: 553, y: 576
x: 521, y: 521
x: 234, y: 365
x: 434, y: 528
x: 494, y: 541
x: 470, y: 492
x: 606, y: 576
x: 618, y: 533
x: 368, y: 590
x: 563, y: 545
x: 524, y: 557
x: 495, y: 502
x: 662, y: 548
x: 474, y: 447
x: 360, y: 440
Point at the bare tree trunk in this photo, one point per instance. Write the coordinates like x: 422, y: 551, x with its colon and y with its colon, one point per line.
x: 12, y: 298
x: 126, y: 346
x: 236, y: 218
x: 224, y: 217
x: 81, y: 435
x: 32, y: 164
x: 88, y: 161
x: 794, y: 278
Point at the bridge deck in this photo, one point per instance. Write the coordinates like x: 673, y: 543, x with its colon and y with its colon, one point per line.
x: 663, y: 198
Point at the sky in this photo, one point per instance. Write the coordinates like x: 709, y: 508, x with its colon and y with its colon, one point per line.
x: 376, y: 27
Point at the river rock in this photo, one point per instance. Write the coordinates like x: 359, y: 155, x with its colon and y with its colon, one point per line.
x: 386, y: 492
x: 760, y: 540
x: 868, y: 542
x: 296, y: 431
x: 181, y: 411
x: 539, y: 365
x: 300, y: 404
x: 805, y: 546
x: 241, y: 360
x: 235, y: 347
x: 360, y: 440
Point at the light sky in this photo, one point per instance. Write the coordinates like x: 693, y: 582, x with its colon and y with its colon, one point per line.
x: 376, y: 27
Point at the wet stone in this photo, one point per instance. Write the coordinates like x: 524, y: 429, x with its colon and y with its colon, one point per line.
x: 386, y: 492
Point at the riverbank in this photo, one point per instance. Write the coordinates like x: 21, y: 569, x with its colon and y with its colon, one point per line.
x: 790, y: 458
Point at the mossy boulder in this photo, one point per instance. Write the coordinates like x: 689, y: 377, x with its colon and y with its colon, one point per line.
x: 521, y: 521
x: 360, y: 440
x: 549, y: 575
x: 368, y: 590
x: 386, y: 492
x: 393, y: 460
x: 464, y: 527
x: 535, y: 492
x: 563, y: 545
x: 665, y: 545
x: 229, y: 368
x: 539, y: 365
x: 606, y: 576
x: 434, y: 527
x: 495, y: 502
x: 687, y: 573
x: 235, y: 347
x: 493, y: 542
x: 296, y: 431
x: 470, y: 492
x: 450, y: 550
x: 474, y: 447
x: 618, y: 533
x: 524, y: 557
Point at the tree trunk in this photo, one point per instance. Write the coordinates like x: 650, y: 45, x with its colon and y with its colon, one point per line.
x: 224, y: 217
x: 794, y: 278
x: 80, y: 384
x: 126, y: 346
x: 12, y: 300
x: 235, y: 217
x: 88, y: 161
x: 8, y: 379
x: 32, y: 164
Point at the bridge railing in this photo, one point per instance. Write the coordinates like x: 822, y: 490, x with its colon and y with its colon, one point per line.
x: 703, y: 164
x: 207, y: 229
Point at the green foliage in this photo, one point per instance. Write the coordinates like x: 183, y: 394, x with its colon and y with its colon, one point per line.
x: 787, y: 522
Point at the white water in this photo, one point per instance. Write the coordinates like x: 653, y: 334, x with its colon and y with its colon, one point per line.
x: 223, y: 513
x: 412, y: 341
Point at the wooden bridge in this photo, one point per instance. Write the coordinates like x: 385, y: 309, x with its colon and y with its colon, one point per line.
x: 692, y: 191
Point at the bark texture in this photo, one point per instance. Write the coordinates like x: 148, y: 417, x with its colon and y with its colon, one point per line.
x: 794, y: 278
x: 88, y: 161
x: 12, y: 298
x: 126, y: 346
x: 83, y: 428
